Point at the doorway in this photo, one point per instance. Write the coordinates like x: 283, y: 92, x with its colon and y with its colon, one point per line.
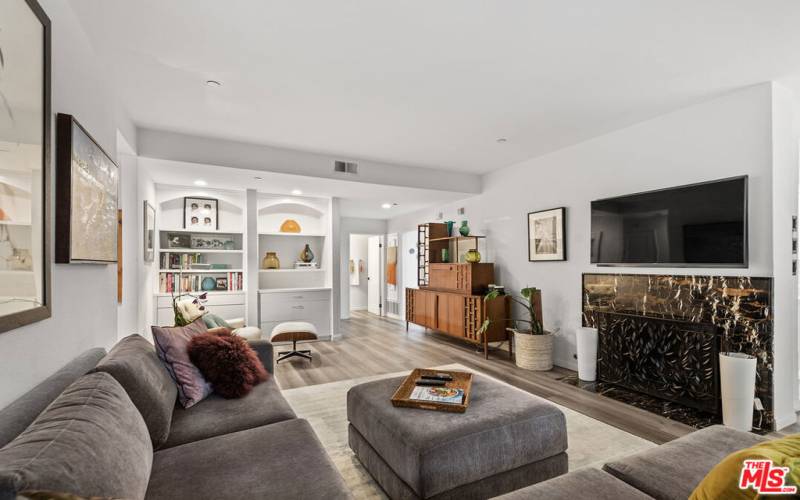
x: 366, y: 273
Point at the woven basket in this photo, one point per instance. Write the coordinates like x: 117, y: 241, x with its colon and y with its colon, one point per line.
x: 534, y: 352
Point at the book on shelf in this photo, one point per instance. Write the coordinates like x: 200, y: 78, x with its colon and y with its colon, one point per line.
x: 179, y: 282
x: 169, y: 260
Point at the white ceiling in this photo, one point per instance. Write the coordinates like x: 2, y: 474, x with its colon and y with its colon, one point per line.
x: 357, y: 199
x: 432, y: 83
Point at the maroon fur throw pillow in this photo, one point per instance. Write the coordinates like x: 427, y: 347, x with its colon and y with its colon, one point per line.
x: 227, y: 362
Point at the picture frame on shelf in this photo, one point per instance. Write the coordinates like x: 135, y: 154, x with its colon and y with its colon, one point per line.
x: 87, y: 197
x: 210, y: 242
x: 222, y: 284
x: 179, y: 240
x: 547, y: 235
x: 149, y: 232
x: 200, y: 213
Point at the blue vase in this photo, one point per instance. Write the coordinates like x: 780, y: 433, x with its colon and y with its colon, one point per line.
x: 209, y: 284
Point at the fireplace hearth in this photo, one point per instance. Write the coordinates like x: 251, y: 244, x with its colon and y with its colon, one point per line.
x: 669, y: 359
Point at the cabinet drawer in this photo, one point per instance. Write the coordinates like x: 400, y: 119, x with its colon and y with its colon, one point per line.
x: 287, y: 299
x: 220, y: 299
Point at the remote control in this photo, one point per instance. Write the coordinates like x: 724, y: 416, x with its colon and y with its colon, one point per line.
x: 431, y: 382
x: 438, y: 376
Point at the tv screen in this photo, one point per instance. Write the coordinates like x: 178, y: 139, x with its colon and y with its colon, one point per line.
x: 700, y: 225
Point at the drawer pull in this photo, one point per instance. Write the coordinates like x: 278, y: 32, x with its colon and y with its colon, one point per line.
x: 298, y: 307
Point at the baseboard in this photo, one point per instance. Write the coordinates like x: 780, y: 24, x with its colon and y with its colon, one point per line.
x: 570, y: 364
x: 782, y: 421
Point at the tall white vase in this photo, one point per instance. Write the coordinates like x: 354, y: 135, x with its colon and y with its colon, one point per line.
x: 586, y: 342
x: 737, y: 374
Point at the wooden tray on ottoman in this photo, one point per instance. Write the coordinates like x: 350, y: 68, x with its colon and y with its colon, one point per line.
x: 461, y: 380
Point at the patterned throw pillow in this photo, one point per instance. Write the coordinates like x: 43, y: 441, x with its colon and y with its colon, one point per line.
x: 171, y: 346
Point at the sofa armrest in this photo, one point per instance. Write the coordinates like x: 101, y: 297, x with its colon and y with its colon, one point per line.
x: 236, y: 323
x: 263, y: 348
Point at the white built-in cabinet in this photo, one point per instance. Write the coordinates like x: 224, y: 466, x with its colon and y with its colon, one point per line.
x: 285, y: 294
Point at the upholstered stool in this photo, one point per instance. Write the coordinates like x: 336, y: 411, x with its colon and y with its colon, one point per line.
x: 294, y: 331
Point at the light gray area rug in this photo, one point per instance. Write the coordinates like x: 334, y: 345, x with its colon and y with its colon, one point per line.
x: 591, y: 442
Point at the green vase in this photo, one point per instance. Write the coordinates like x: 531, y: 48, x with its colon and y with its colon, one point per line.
x: 307, y: 255
x: 464, y: 229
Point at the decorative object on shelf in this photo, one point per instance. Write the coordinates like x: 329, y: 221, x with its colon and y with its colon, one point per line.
x: 472, y: 256
x: 306, y: 265
x: 737, y: 376
x: 212, y: 242
x: 290, y: 226
x: 547, y: 235
x: 464, y: 228
x: 271, y: 261
x: 533, y: 344
x: 149, y: 232
x: 307, y: 255
x: 87, y: 190
x: 222, y: 283
x: 445, y: 255
x: 179, y: 240
x: 450, y: 224
x: 200, y: 213
x: 586, y: 343
x: 25, y: 191
x: 209, y: 284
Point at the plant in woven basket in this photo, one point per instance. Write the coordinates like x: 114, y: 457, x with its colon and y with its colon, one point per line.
x: 531, y: 323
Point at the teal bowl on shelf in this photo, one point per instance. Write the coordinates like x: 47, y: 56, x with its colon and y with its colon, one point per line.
x: 209, y: 284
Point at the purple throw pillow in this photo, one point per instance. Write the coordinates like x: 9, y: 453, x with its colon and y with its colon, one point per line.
x: 172, y: 343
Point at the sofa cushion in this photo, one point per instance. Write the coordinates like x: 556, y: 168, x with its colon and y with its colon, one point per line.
x: 283, y: 460
x: 15, y: 417
x: 171, y: 344
x: 91, y: 441
x: 689, y: 458
x: 582, y: 483
x: 135, y: 365
x: 214, y: 415
x: 432, y: 452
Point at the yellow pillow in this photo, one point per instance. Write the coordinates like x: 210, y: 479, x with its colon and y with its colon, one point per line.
x: 723, y: 480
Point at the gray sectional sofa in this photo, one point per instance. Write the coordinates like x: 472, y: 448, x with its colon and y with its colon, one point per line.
x: 668, y: 472
x: 108, y: 425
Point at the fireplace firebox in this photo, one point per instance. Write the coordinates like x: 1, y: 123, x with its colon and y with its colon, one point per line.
x: 666, y: 358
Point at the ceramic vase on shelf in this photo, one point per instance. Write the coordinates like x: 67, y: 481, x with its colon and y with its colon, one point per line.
x: 307, y: 255
x: 533, y: 352
x: 445, y: 255
x: 450, y: 224
x: 464, y: 228
x: 586, y: 343
x: 737, y: 375
x: 271, y: 261
x: 473, y: 256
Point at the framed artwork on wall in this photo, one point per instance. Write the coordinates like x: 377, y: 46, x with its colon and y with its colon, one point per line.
x: 25, y: 164
x: 87, y: 193
x: 200, y: 213
x: 547, y: 235
x: 149, y: 232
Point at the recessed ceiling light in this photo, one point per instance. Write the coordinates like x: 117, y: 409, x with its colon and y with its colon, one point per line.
x: 200, y: 182
x: 501, y: 140
x: 213, y: 83
x: 387, y: 206
x: 296, y: 192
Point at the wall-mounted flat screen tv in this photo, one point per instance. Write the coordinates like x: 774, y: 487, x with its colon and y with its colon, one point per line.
x: 699, y: 225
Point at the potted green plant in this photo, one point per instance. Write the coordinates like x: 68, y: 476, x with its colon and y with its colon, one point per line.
x: 532, y: 343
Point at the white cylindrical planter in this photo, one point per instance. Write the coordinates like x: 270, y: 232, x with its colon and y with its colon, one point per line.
x: 737, y: 375
x: 586, y: 342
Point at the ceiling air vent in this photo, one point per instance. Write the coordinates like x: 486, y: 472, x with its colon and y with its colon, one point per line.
x: 347, y: 167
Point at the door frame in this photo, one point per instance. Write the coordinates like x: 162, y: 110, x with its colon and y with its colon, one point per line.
x: 378, y: 273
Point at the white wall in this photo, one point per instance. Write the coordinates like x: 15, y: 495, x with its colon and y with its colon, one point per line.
x: 724, y: 137
x: 358, y: 252
x: 84, y: 296
x: 132, y: 253
x: 146, y: 191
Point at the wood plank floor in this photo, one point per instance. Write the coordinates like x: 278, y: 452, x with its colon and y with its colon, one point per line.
x: 371, y: 345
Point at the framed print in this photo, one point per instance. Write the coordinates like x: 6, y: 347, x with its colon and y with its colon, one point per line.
x: 179, y: 240
x: 25, y: 164
x: 87, y: 192
x: 222, y: 283
x: 149, y: 232
x: 547, y: 235
x: 200, y: 213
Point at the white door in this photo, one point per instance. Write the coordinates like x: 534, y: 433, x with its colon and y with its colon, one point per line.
x: 374, y: 281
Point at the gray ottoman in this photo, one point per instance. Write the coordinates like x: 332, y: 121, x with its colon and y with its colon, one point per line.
x: 506, y: 440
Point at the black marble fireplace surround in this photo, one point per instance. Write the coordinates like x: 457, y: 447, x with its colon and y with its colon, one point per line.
x: 660, y: 329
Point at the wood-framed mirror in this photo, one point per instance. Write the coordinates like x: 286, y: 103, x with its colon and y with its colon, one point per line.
x: 25, y: 164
